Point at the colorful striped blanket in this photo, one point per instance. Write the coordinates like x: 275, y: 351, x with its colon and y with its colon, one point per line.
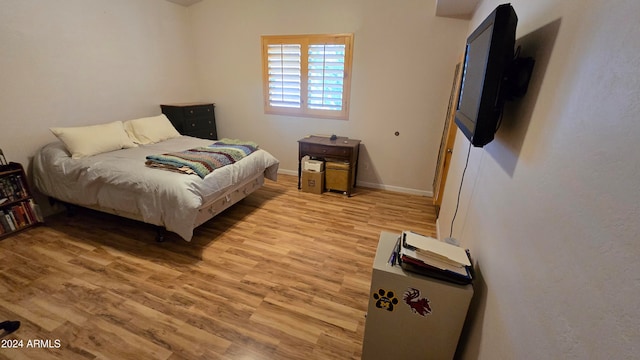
x: 203, y: 160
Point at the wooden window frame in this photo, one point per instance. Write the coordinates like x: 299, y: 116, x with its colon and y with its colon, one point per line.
x: 304, y: 41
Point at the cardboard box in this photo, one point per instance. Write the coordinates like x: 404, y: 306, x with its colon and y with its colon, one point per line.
x: 312, y: 181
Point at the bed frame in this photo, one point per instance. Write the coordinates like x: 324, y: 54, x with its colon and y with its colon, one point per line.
x: 205, y: 213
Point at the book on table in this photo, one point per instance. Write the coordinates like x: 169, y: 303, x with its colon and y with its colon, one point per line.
x: 434, y: 258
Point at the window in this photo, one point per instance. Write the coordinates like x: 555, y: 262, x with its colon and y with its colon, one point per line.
x: 307, y: 75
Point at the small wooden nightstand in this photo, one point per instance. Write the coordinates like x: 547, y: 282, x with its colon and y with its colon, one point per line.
x: 341, y: 148
x: 193, y: 119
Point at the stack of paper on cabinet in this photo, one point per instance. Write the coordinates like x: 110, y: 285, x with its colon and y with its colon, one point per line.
x: 432, y: 257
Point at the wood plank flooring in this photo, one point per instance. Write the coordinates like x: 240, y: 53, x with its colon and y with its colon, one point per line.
x: 281, y: 275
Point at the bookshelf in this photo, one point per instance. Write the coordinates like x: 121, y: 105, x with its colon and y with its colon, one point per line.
x: 18, y: 209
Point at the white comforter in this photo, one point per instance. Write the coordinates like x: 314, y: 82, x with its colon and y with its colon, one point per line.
x: 119, y: 180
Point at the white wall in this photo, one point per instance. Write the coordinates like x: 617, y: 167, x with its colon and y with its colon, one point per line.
x: 551, y: 208
x: 78, y: 62
x: 74, y: 62
x: 404, y: 59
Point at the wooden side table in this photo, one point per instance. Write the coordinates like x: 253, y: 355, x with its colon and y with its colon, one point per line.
x: 342, y: 148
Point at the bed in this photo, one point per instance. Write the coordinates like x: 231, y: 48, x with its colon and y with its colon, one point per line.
x: 119, y: 182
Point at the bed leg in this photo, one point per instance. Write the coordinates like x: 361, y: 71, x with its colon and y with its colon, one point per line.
x: 160, y: 233
x: 71, y: 209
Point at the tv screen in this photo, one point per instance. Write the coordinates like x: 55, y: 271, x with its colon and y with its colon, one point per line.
x: 488, y: 56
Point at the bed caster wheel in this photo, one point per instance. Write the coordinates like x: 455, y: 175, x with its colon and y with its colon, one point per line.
x: 159, y: 234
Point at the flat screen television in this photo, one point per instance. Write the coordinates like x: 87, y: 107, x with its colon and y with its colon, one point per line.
x: 488, y: 60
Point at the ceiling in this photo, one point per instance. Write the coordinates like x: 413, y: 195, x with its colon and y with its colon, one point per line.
x: 184, y: 2
x: 459, y: 9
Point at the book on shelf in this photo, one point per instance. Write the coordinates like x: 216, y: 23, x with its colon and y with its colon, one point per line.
x: 12, y: 188
x: 35, y: 211
x: 19, y: 215
x: 7, y: 221
x: 18, y: 209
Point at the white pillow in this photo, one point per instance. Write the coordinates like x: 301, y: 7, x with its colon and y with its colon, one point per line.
x: 85, y: 141
x: 150, y: 130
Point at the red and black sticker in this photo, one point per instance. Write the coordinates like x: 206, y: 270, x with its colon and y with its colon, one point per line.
x: 418, y: 305
x: 385, y: 299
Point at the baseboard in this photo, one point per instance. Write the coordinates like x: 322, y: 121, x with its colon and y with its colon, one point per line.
x: 287, y: 172
x: 374, y: 185
x: 395, y: 188
x: 438, y: 229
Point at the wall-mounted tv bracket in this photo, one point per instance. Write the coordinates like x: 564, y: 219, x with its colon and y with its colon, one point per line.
x: 517, y: 76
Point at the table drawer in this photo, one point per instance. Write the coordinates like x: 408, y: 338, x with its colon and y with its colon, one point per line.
x: 198, y: 111
x: 198, y: 124
x: 203, y: 134
x: 322, y: 150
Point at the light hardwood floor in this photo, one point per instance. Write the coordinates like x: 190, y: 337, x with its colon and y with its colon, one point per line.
x: 281, y: 275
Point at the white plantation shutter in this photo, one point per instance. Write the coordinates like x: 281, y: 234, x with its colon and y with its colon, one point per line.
x: 307, y: 75
x: 284, y: 75
x: 326, y: 76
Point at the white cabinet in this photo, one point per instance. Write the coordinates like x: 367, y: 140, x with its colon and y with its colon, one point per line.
x: 411, y: 316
